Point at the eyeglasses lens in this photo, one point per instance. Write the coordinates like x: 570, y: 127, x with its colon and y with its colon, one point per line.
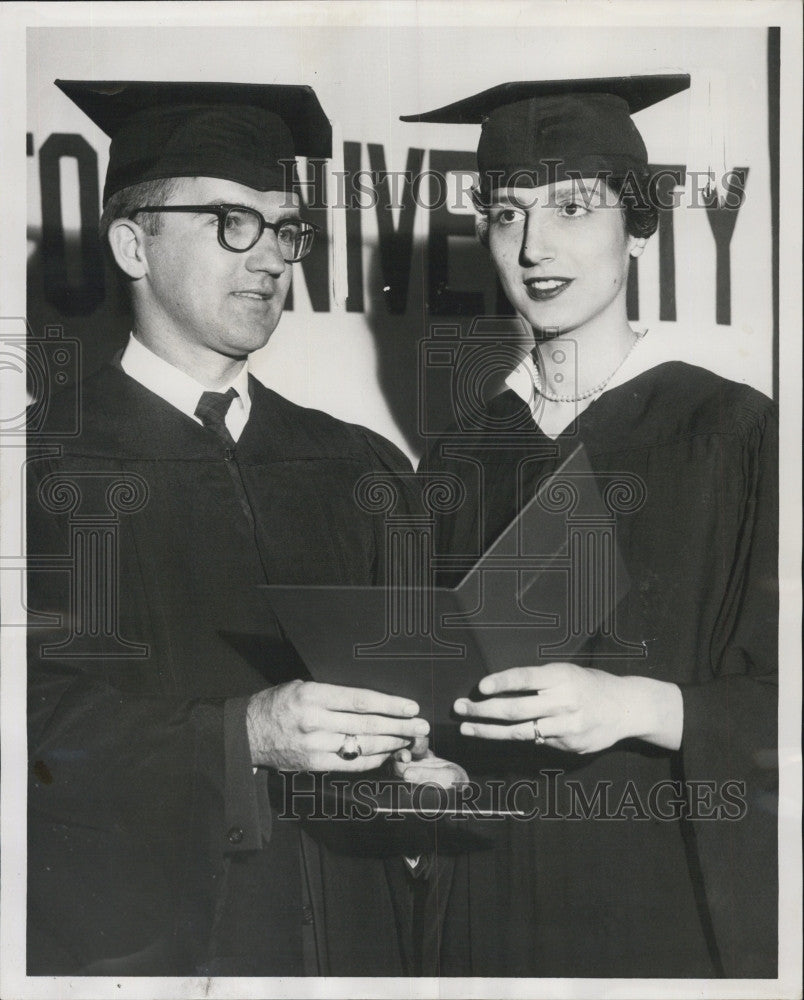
x: 242, y: 228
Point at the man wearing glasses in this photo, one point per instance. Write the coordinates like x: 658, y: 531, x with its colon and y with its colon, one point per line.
x: 156, y: 845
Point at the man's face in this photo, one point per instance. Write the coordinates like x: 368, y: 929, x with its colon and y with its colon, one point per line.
x: 202, y: 299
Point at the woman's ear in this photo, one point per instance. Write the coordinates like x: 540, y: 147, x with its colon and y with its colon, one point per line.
x: 637, y: 246
x: 127, y: 243
x: 482, y: 229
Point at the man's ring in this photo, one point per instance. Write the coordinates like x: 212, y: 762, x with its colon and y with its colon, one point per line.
x: 350, y: 748
x: 538, y: 739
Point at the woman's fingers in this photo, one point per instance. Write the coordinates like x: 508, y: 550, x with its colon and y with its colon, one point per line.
x: 521, y: 731
x: 507, y: 709
x: 445, y: 775
x: 526, y: 678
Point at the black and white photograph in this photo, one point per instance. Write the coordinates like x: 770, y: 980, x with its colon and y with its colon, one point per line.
x: 400, y: 551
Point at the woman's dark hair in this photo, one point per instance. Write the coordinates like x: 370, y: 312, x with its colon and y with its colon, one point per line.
x: 633, y: 192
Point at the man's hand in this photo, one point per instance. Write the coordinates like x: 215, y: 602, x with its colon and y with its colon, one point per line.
x: 420, y: 766
x: 575, y: 708
x: 300, y: 726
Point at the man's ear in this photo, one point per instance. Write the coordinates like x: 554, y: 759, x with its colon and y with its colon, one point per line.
x: 127, y: 243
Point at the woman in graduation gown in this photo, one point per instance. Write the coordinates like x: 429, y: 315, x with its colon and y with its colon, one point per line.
x: 653, y: 750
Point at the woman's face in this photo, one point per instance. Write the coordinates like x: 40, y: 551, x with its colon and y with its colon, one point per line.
x: 562, y: 254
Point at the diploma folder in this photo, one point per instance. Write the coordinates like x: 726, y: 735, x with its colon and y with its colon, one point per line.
x: 548, y: 584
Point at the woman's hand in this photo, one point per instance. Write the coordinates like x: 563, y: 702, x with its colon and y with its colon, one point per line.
x: 574, y: 708
x: 420, y: 766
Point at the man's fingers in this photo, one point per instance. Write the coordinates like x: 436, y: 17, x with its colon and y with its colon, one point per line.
x: 345, y: 699
x: 373, y: 745
x: 364, y: 763
x: 370, y: 746
x: 383, y: 725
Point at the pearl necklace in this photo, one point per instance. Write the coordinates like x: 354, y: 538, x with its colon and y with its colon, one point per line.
x: 537, y: 379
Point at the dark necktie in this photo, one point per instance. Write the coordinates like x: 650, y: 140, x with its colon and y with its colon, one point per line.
x: 211, y: 411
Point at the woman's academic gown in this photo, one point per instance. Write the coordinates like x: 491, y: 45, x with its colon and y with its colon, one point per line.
x: 626, y: 892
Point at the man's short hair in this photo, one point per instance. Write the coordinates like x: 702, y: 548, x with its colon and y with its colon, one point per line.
x: 124, y: 202
x: 120, y: 206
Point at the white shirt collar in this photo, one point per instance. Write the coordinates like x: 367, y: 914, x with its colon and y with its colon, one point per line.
x: 554, y: 418
x: 180, y: 389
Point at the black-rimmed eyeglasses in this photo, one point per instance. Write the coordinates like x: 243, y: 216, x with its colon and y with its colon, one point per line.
x: 240, y: 228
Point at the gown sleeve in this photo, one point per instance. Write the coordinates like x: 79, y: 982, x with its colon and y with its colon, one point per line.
x: 730, y: 729
x: 130, y: 789
x: 99, y: 701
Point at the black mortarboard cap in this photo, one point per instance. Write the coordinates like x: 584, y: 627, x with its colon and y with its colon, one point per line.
x: 535, y: 132
x: 243, y: 132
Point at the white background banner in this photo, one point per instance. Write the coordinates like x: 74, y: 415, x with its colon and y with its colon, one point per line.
x: 705, y: 283
x: 706, y: 276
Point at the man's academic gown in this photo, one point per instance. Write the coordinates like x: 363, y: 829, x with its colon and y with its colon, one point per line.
x: 626, y: 892
x: 148, y: 851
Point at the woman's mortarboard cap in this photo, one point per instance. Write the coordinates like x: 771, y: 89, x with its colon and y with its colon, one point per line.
x: 248, y: 133
x: 534, y: 132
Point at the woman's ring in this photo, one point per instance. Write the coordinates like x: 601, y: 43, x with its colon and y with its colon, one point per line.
x: 538, y: 739
x: 350, y: 748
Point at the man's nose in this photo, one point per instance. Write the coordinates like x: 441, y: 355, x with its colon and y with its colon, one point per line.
x: 265, y: 255
x: 538, y: 238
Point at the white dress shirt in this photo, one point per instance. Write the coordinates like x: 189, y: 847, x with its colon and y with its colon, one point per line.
x: 180, y: 389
